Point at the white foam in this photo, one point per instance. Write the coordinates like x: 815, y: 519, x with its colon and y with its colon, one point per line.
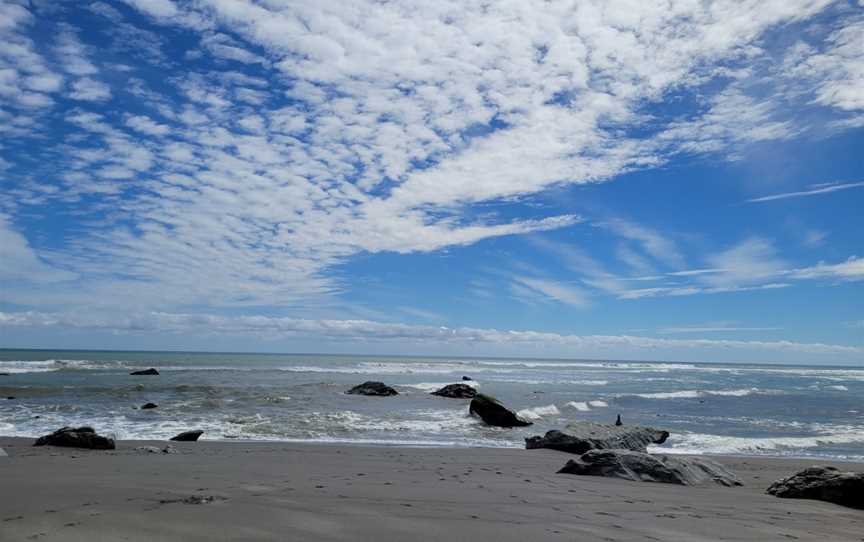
x: 693, y: 394
x: 538, y: 412
x: 598, y: 404
x: 580, y: 406
x: 434, y: 386
x: 698, y: 443
x: 838, y: 388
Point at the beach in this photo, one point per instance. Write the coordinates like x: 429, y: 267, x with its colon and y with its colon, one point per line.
x: 287, y: 491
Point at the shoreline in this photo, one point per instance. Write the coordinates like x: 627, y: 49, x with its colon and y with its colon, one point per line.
x: 230, y: 490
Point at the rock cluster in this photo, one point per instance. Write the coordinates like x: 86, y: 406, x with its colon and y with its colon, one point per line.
x: 373, y: 388
x: 456, y: 391
x: 643, y: 467
x: 579, y: 437
x: 81, y: 437
x: 824, y: 484
x: 491, y: 411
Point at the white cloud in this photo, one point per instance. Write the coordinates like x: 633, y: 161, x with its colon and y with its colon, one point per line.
x: 750, y: 261
x: 365, y: 330
x: 554, y: 290
x: 815, y: 191
x: 87, y: 89
x: 155, y: 8
x: 20, y: 262
x: 146, y: 125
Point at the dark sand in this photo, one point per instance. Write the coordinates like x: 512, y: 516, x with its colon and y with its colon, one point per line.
x: 263, y: 491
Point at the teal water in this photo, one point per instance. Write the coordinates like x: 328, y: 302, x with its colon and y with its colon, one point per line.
x: 708, y: 408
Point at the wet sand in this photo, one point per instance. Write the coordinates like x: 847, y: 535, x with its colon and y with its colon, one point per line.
x: 276, y: 491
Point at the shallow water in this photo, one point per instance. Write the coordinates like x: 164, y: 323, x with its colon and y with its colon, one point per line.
x: 708, y: 408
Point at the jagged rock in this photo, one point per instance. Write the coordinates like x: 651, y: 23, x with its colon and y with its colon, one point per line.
x: 456, y: 391
x: 372, y: 388
x: 642, y: 467
x: 583, y: 436
x: 823, y: 484
x: 494, y: 413
x: 82, y: 437
x: 145, y: 372
x: 188, y: 436
x: 147, y: 406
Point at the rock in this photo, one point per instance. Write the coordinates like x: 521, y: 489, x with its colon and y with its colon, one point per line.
x: 467, y: 378
x: 494, y: 413
x: 156, y: 450
x: 145, y: 372
x: 11, y: 397
x: 618, y: 421
x: 5, y: 374
x: 823, y: 484
x: 147, y: 406
x: 583, y: 436
x: 3, y: 453
x: 373, y: 388
x: 188, y: 436
x: 642, y: 467
x: 82, y: 437
x: 456, y: 391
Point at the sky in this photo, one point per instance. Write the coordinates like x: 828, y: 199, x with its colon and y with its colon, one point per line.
x: 670, y: 180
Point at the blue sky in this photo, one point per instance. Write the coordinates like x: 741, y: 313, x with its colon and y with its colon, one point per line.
x: 569, y: 179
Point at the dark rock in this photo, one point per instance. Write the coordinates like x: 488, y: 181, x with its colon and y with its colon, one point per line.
x: 10, y: 397
x: 373, y: 388
x: 82, y: 437
x: 188, y: 436
x: 145, y: 372
x: 642, y: 467
x: 147, y: 406
x: 494, y: 413
x: 823, y: 484
x: 467, y: 378
x: 456, y: 391
x: 5, y: 374
x: 583, y: 436
x: 618, y: 420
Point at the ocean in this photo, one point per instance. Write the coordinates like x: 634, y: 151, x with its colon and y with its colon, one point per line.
x: 774, y: 410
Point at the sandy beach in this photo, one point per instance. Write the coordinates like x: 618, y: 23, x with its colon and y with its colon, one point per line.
x: 282, y: 491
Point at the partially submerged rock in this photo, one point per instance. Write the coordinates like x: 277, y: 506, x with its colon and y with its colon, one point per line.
x: 148, y: 406
x: 467, y: 378
x: 579, y: 437
x: 188, y: 436
x: 456, y: 391
x: 146, y: 372
x: 81, y: 437
x: 494, y: 413
x: 823, y: 484
x: 642, y: 467
x: 372, y: 388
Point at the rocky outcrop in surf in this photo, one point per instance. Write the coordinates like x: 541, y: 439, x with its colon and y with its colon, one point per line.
x: 823, y: 484
x: 188, y: 436
x: 494, y: 413
x: 146, y: 372
x: 642, y: 467
x: 81, y: 437
x: 456, y: 391
x: 379, y: 389
x: 580, y: 437
x: 148, y: 406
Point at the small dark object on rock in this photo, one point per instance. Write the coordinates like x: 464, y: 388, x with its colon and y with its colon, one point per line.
x: 618, y: 421
x: 642, y: 467
x: 147, y: 406
x: 373, y: 388
x: 494, y: 413
x: 145, y: 372
x: 467, y: 378
x: 188, y: 436
x: 81, y: 437
x: 579, y: 437
x: 456, y: 391
x: 823, y: 484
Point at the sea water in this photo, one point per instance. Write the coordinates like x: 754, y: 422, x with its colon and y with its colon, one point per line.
x: 708, y: 408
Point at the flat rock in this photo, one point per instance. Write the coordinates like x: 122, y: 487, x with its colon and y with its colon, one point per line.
x: 379, y: 389
x: 642, y: 467
x: 81, y: 437
x: 456, y: 391
x: 579, y: 437
x: 491, y: 411
x: 188, y: 436
x: 146, y: 372
x: 823, y: 484
x: 148, y: 406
